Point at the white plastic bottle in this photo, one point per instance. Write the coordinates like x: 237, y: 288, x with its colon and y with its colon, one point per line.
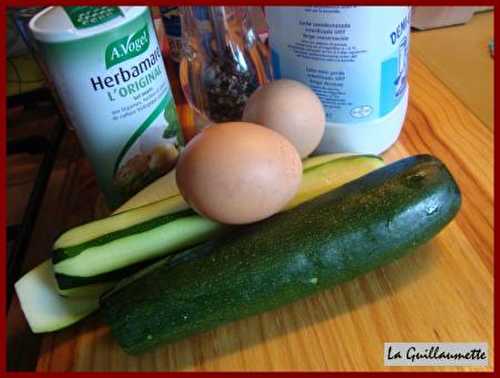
x: 355, y: 58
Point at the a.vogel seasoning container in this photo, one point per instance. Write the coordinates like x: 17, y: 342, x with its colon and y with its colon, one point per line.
x: 108, y: 69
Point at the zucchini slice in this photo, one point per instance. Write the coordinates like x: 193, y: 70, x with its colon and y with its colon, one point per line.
x: 140, y: 242
x: 162, y: 188
x: 321, y: 159
x: 119, y: 221
x: 44, y: 308
x: 327, y: 172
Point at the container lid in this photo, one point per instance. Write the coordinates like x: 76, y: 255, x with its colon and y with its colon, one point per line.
x: 60, y: 24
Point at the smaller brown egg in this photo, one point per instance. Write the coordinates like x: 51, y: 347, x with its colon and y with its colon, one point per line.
x: 238, y: 172
x: 290, y: 108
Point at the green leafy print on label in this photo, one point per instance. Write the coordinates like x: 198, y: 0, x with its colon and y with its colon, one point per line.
x: 127, y: 47
x: 174, y: 127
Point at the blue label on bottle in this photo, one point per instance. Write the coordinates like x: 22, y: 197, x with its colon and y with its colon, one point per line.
x: 393, y: 81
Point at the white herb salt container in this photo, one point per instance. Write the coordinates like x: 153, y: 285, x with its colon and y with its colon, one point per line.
x: 108, y: 69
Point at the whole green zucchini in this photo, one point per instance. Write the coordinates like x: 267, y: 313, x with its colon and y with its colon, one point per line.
x: 331, y: 239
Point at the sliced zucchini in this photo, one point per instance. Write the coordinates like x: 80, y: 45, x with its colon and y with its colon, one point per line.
x: 119, y: 221
x: 166, y: 186
x: 140, y: 242
x: 160, y: 189
x: 321, y: 159
x: 87, y: 290
x: 327, y: 172
x: 44, y: 308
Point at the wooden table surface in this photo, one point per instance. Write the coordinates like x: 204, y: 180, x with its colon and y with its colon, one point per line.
x: 441, y: 293
x: 459, y: 56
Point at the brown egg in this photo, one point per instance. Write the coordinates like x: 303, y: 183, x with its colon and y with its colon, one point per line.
x: 290, y: 108
x: 238, y: 172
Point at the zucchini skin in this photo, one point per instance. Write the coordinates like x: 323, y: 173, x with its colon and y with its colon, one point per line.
x: 70, y: 282
x: 331, y: 239
x: 62, y: 254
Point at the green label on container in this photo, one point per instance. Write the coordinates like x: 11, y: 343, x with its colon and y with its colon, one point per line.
x: 86, y: 17
x: 127, y: 47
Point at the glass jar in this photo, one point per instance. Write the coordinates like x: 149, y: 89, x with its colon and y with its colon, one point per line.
x: 223, y: 62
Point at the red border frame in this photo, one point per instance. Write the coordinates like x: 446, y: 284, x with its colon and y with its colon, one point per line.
x: 3, y: 31
x: 14, y: 3
x: 3, y: 186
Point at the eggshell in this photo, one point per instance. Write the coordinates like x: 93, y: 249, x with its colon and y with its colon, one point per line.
x: 238, y: 172
x: 290, y: 108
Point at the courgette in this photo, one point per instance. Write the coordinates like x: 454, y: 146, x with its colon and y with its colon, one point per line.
x: 322, y: 175
x: 160, y: 189
x: 89, y: 259
x: 119, y: 221
x: 44, y: 308
x: 331, y: 239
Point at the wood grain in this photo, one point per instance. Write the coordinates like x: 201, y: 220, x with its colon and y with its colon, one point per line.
x: 460, y: 57
x: 442, y: 292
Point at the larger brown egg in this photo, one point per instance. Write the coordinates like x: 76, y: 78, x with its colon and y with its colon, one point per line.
x: 238, y: 172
